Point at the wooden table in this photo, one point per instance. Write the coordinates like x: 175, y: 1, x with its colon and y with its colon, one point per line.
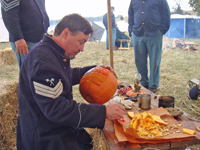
x: 113, y: 144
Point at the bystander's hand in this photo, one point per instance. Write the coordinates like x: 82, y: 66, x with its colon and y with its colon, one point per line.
x: 114, y: 111
x: 21, y: 47
x: 109, y: 68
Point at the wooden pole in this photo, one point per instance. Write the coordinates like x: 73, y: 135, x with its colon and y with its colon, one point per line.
x: 110, y: 33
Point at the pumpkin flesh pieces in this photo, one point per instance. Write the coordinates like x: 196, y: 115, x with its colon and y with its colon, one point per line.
x: 147, y: 125
x: 188, y: 131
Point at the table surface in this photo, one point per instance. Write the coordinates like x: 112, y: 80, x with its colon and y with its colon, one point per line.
x: 113, y: 144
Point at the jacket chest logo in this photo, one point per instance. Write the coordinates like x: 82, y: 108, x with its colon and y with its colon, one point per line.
x: 50, y: 81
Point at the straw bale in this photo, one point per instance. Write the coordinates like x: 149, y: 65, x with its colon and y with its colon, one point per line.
x: 8, y: 116
x: 7, y: 57
x: 98, y: 139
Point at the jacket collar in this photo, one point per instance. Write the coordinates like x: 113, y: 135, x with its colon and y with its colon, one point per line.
x: 48, y: 39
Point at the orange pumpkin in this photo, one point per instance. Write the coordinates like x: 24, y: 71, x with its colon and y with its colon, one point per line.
x: 98, y: 85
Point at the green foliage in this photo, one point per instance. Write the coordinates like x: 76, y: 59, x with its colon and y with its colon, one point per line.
x: 195, y: 4
x: 121, y: 17
x: 187, y: 13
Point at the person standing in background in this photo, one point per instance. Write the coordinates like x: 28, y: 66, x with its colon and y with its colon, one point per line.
x: 148, y: 21
x: 105, y: 22
x: 26, y: 22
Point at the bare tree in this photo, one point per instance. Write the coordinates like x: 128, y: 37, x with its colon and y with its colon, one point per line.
x: 177, y: 9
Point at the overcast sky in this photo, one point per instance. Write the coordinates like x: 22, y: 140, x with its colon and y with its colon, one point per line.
x: 93, y: 8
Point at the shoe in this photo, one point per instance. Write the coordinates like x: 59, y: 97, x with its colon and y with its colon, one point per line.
x: 146, y: 87
x: 153, y: 90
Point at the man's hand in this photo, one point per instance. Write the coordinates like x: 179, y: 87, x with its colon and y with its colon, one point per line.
x: 114, y: 111
x: 109, y: 68
x: 21, y: 47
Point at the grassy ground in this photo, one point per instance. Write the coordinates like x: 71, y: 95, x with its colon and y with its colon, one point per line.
x: 177, y: 67
x: 4, y: 45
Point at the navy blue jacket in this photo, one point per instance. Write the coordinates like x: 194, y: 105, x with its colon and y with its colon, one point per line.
x: 148, y: 16
x: 48, y: 116
x: 27, y: 19
x: 105, y: 20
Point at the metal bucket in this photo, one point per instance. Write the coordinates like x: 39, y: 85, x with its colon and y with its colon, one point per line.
x: 166, y: 101
x: 144, y: 101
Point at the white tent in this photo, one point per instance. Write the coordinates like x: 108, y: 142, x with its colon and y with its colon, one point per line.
x: 4, y: 35
x: 100, y: 23
x: 122, y: 25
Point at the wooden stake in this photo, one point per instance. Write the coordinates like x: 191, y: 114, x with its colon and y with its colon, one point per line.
x: 110, y: 33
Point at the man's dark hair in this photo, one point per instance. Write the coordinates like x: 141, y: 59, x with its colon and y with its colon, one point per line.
x: 75, y: 23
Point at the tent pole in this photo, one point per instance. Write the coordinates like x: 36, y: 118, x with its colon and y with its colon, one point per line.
x: 110, y: 33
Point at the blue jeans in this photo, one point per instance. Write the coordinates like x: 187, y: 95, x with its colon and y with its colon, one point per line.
x: 20, y: 57
x: 113, y: 38
x: 151, y: 46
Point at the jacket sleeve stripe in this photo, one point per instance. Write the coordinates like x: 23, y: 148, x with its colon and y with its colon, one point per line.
x: 7, y: 5
x: 38, y: 89
x: 47, y: 87
x: 79, y: 114
x: 44, y: 91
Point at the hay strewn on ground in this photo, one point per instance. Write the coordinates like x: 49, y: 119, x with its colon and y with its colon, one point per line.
x: 98, y: 139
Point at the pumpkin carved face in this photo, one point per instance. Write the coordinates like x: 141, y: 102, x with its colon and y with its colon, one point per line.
x: 98, y: 85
